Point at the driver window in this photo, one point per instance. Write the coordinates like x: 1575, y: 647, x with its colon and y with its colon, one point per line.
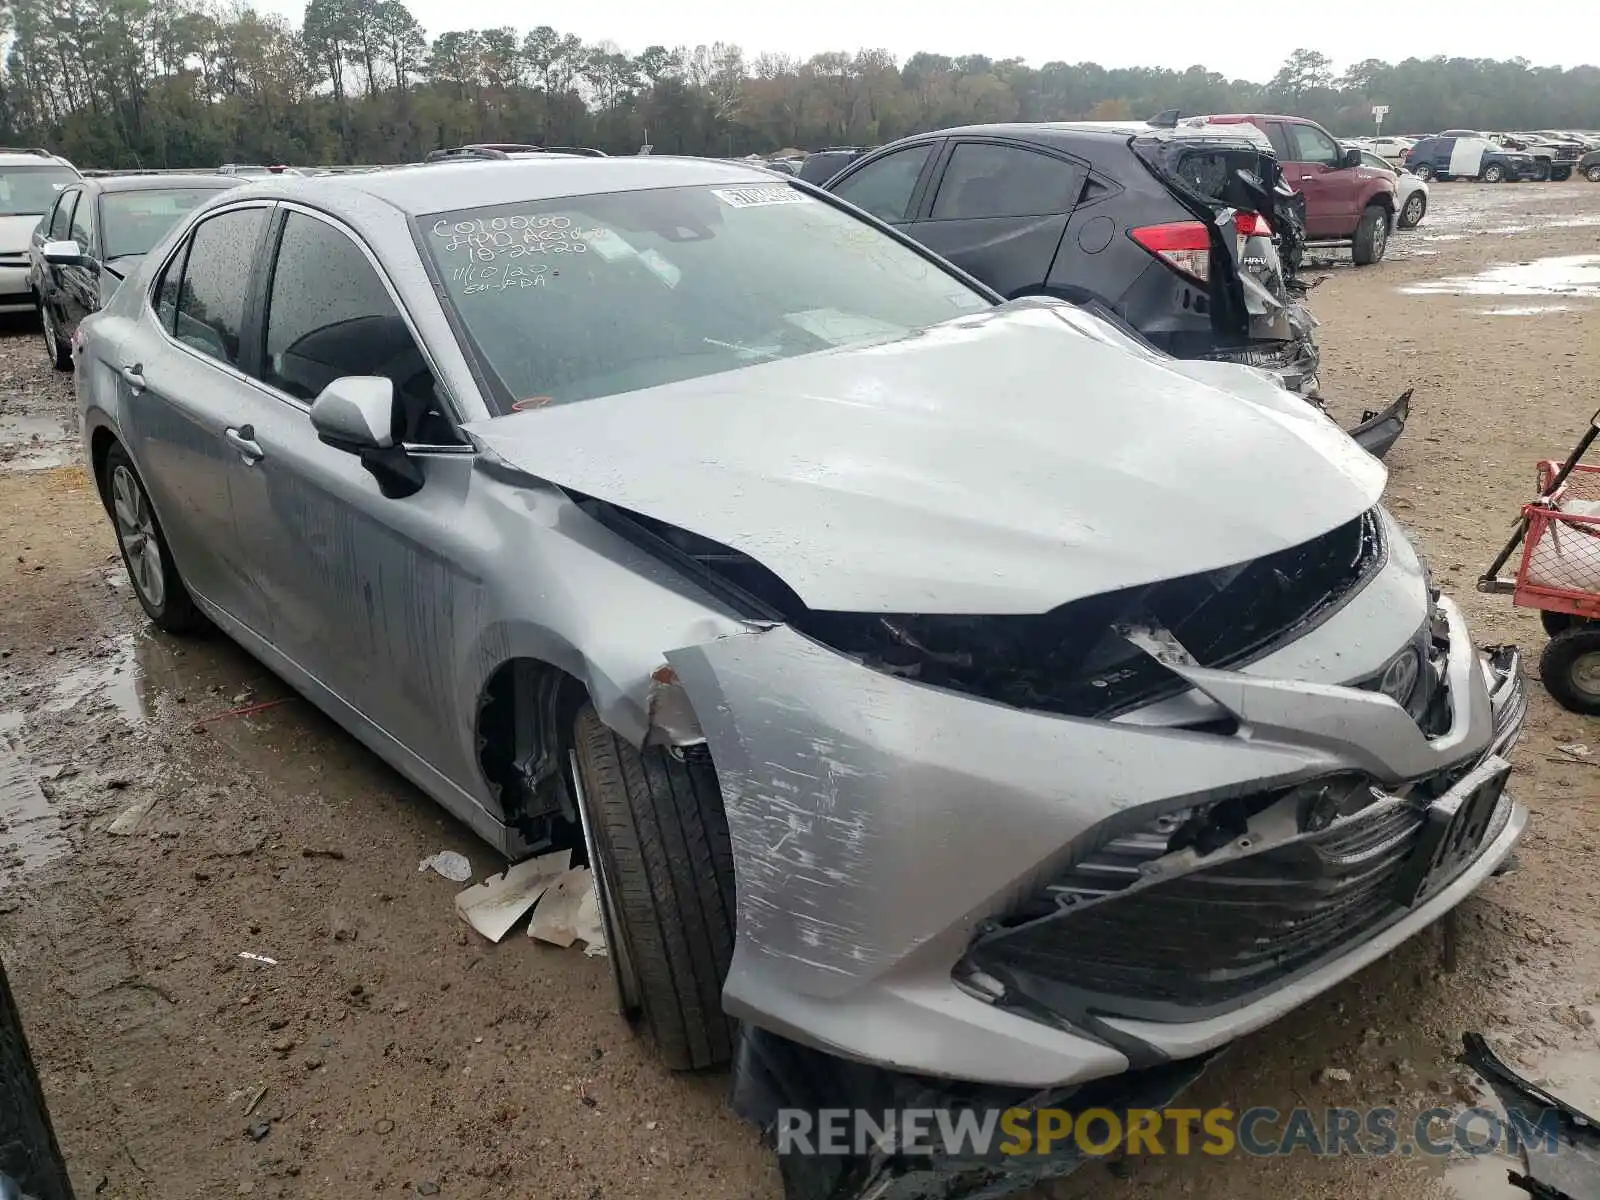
x: 83, y: 224
x: 329, y: 315
x: 1314, y: 146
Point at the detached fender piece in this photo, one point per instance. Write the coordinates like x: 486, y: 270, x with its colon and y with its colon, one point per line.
x: 1566, y: 1163
x: 789, y: 1090
x: 1380, y: 430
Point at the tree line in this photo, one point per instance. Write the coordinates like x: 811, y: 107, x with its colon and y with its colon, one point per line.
x: 186, y: 83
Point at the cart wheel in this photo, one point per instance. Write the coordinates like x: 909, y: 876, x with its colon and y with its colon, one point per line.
x: 1570, y: 669
x: 1557, y: 623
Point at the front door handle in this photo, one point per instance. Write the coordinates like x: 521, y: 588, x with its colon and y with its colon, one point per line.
x: 243, y: 439
x: 134, y: 376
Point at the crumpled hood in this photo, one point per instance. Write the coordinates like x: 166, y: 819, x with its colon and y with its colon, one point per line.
x: 1000, y: 463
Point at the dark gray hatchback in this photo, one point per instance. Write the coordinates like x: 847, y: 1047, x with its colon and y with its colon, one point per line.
x: 1188, y: 236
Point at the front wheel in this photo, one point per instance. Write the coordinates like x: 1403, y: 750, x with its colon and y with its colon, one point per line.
x: 1423, y: 172
x: 144, y: 547
x: 60, y: 356
x: 1494, y: 173
x: 1372, y: 236
x: 665, y: 873
x: 1411, y: 215
x: 1570, y: 669
x: 1560, y: 174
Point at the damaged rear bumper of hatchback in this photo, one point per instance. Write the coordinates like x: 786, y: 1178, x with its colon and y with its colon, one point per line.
x: 979, y: 883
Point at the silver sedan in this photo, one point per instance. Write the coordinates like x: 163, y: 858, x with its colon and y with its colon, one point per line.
x: 947, y: 685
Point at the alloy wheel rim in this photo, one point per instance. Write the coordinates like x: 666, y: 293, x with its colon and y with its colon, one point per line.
x: 136, y: 532
x: 1585, y: 674
x: 1414, y: 209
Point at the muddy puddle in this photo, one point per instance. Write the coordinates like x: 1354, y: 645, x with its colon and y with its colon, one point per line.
x: 34, y: 443
x: 1572, y: 275
x: 1571, y: 1075
x: 30, y: 832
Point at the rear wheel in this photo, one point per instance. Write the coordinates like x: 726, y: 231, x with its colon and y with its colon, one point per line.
x: 1593, y: 173
x: 1411, y: 215
x: 1570, y: 669
x: 665, y: 869
x: 1372, y: 236
x: 1557, y: 622
x: 1493, y: 173
x: 60, y: 356
x: 144, y: 548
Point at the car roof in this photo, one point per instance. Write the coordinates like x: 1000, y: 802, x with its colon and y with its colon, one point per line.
x: 158, y: 183
x: 32, y: 158
x: 416, y: 189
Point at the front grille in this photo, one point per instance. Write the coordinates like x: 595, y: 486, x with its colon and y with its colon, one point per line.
x: 1214, y: 939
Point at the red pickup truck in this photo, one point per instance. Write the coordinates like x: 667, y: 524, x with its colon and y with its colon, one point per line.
x: 1345, y: 201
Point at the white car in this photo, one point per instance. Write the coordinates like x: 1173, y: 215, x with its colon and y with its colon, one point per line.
x: 1390, y: 149
x: 1410, y: 193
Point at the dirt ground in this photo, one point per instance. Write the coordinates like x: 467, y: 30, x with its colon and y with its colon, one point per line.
x: 390, y: 1051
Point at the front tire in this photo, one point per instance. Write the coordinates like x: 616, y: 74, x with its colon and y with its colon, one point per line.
x: 1570, y: 669
x: 60, y: 356
x: 1423, y: 172
x: 1493, y: 173
x: 1416, y: 208
x: 661, y: 838
x: 144, y: 549
x: 1560, y: 174
x: 1372, y: 236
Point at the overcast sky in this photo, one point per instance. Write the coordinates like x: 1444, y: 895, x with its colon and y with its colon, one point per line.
x: 1241, y: 40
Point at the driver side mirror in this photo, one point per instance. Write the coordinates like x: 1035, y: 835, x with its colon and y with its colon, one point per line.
x: 63, y: 254
x: 355, y: 413
x: 1352, y: 158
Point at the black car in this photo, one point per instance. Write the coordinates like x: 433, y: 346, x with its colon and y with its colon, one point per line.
x: 1589, y: 166
x: 1187, y: 235
x: 1470, y: 156
x: 95, y: 234
x: 822, y: 165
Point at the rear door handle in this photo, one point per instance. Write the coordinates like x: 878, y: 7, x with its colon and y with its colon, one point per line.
x: 243, y: 439
x: 134, y: 376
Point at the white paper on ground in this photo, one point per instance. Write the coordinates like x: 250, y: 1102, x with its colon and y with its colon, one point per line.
x: 500, y: 901
x: 454, y: 867
x: 558, y: 920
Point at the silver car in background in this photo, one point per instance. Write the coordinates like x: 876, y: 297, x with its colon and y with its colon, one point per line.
x: 945, y: 685
x: 30, y: 181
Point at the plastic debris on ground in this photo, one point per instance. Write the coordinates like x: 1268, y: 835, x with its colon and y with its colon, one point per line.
x: 260, y: 958
x: 570, y: 912
x: 494, y: 906
x: 454, y: 867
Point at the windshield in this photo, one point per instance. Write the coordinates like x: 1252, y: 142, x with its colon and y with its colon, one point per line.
x: 30, y: 191
x: 133, y: 222
x: 586, y: 296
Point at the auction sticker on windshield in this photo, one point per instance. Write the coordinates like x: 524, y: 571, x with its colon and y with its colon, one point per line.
x: 759, y: 194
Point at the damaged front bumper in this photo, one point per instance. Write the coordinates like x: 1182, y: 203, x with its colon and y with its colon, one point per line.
x: 883, y: 830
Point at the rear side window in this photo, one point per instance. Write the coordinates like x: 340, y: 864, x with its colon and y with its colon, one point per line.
x: 61, y: 218
x: 329, y: 315
x: 1280, y: 141
x: 884, y: 186
x: 216, y: 283
x: 985, y: 180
